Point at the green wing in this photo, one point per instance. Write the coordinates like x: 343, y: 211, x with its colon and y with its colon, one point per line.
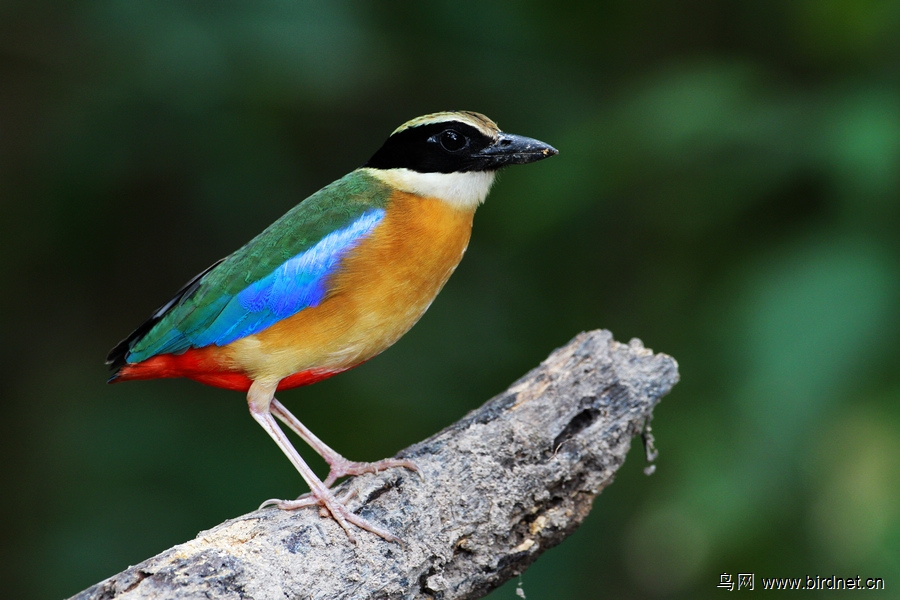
x: 278, y: 273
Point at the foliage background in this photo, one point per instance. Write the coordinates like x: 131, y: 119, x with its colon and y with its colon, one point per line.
x: 727, y: 190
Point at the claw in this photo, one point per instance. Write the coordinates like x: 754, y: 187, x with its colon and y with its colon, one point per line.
x: 263, y: 406
x: 341, y: 467
x: 301, y: 502
x: 337, y: 509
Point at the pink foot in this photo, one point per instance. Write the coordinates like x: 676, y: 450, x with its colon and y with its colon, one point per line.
x: 340, y: 467
x: 337, y: 508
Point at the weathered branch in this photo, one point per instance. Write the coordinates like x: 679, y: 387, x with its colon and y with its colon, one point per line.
x: 508, y: 481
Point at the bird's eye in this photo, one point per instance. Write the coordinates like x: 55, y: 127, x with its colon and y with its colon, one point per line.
x: 453, y: 141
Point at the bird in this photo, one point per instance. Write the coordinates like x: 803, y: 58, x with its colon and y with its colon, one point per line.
x: 331, y: 284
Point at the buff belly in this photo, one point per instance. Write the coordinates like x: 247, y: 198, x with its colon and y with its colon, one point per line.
x: 382, y: 288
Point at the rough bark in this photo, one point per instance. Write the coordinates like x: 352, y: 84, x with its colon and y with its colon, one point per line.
x: 499, y: 487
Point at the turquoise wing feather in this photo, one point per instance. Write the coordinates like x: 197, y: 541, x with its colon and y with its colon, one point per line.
x: 278, y: 273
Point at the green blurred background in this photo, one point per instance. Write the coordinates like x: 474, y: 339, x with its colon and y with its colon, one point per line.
x: 726, y: 190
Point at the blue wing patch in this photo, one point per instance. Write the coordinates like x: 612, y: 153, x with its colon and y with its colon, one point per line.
x: 297, y: 283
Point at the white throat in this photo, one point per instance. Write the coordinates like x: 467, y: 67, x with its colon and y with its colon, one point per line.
x: 463, y: 190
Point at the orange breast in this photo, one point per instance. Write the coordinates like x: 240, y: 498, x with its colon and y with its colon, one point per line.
x: 383, y: 287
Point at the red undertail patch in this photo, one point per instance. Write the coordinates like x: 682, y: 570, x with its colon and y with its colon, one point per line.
x: 200, y: 364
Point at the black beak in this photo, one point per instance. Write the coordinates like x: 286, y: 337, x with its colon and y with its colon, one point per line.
x: 510, y: 149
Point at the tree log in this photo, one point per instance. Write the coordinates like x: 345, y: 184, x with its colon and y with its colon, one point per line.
x: 495, y: 490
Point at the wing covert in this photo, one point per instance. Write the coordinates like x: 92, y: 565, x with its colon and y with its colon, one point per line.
x: 297, y: 283
x: 280, y: 272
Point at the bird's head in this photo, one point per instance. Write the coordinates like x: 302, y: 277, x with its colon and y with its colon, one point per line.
x: 451, y: 155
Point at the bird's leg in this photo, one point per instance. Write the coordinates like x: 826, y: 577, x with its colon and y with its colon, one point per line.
x: 259, y: 398
x: 339, y: 466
